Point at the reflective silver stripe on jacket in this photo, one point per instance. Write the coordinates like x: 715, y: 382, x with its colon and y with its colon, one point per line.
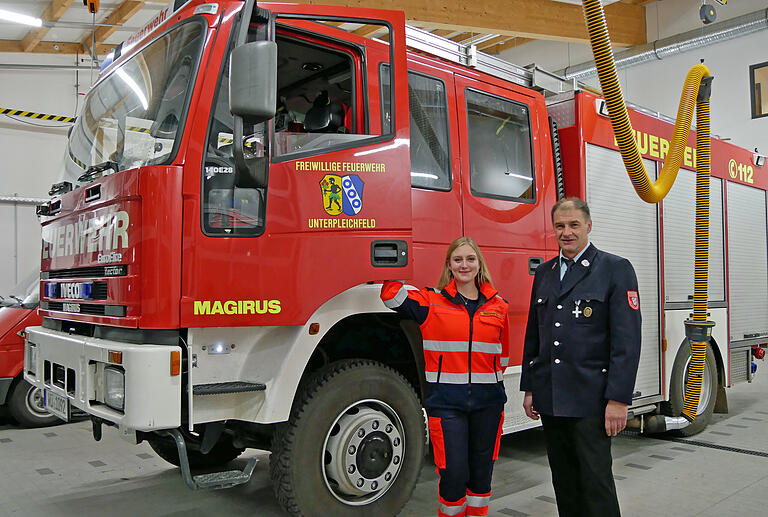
x: 478, y: 501
x: 461, y: 346
x: 452, y: 510
x: 398, y: 299
x: 505, y: 361
x: 463, y: 378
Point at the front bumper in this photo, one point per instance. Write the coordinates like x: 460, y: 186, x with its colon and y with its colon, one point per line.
x: 73, y: 366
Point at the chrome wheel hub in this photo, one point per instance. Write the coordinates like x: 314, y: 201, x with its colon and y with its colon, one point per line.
x: 363, y: 452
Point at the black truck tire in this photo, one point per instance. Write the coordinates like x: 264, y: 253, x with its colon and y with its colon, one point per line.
x: 354, y: 443
x: 25, y: 405
x: 677, y: 390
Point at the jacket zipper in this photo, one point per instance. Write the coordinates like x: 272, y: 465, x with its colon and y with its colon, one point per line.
x: 439, y: 368
x: 469, y: 351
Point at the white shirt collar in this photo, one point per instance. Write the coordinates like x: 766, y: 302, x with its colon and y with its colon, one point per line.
x: 578, y: 255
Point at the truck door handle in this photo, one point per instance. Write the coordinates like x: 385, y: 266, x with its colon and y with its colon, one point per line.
x: 533, y: 263
x: 389, y: 253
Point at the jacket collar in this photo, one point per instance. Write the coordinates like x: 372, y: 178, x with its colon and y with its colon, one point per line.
x: 579, y: 270
x: 486, y: 290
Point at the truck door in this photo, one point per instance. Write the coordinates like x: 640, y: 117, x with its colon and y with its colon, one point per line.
x: 328, y: 204
x: 435, y: 169
x: 504, y: 189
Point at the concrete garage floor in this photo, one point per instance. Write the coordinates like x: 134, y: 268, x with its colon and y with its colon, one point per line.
x: 61, y: 471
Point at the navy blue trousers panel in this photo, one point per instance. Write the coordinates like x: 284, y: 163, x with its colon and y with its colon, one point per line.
x: 579, y: 454
x: 470, y: 441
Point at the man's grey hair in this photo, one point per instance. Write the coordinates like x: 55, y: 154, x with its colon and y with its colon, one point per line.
x: 571, y: 202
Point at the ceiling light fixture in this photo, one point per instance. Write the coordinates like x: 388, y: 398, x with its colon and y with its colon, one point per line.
x: 20, y: 18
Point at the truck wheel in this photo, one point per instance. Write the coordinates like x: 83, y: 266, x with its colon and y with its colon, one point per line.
x: 25, y: 404
x: 677, y: 389
x: 223, y: 452
x: 354, y: 444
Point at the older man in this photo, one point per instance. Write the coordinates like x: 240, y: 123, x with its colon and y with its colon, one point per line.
x: 582, y: 348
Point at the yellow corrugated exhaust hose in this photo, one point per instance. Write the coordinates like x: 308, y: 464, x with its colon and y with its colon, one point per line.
x: 695, y: 95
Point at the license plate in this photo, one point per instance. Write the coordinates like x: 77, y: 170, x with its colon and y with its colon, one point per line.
x: 56, y: 404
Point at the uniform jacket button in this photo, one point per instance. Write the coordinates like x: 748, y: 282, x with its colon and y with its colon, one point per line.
x: 559, y: 306
x: 557, y: 361
x: 557, y: 324
x: 530, y: 363
x: 605, y: 371
x: 539, y: 300
x: 556, y: 343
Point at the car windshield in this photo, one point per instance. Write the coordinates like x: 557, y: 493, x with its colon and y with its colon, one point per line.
x: 26, y: 294
x: 134, y: 116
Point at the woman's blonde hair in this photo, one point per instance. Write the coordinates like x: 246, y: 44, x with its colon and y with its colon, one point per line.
x: 482, y: 273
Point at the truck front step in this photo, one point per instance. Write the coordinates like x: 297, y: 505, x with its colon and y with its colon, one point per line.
x: 227, y: 387
x: 223, y: 479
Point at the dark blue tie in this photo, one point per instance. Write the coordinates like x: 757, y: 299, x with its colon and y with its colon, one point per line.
x: 568, y: 266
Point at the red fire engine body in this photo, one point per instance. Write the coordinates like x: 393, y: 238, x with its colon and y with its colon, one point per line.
x: 213, y: 283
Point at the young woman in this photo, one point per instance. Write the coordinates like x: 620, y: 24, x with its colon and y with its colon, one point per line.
x: 465, y: 328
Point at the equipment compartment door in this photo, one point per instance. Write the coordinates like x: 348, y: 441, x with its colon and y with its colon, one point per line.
x: 626, y: 225
x: 747, y: 264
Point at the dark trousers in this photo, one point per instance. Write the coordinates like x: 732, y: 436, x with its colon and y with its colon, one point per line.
x: 465, y: 445
x: 579, y: 455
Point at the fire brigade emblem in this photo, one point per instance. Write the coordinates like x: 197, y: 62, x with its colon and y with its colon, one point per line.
x: 633, y: 299
x: 342, y: 194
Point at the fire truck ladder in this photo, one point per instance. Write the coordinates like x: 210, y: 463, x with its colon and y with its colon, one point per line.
x: 467, y: 54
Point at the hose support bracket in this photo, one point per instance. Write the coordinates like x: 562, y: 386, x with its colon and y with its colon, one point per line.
x: 699, y: 331
x: 705, y: 89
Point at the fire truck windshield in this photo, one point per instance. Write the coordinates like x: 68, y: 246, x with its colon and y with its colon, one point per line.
x: 134, y: 116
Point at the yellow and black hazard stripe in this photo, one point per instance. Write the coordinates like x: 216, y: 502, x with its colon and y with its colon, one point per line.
x: 38, y: 116
x: 74, y: 159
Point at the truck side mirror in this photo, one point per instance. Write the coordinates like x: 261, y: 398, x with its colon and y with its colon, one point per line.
x: 253, y: 81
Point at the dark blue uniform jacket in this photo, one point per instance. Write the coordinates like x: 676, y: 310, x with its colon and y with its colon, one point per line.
x: 582, y: 342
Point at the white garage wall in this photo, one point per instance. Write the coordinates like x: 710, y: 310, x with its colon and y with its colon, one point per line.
x: 657, y: 84
x: 31, y: 154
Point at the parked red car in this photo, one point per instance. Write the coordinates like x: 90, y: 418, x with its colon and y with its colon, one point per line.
x: 18, y: 310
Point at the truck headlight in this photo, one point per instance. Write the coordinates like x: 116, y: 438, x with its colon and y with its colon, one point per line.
x: 30, y: 362
x: 114, y: 385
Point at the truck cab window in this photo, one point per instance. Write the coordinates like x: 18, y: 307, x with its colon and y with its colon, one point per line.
x: 500, y: 155
x: 232, y: 206
x: 319, y: 83
x: 428, y: 110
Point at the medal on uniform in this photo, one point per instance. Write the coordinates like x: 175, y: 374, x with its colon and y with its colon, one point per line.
x: 576, y: 312
x: 587, y: 312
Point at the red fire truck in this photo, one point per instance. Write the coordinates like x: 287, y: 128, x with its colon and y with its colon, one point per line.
x: 18, y: 309
x: 247, y: 175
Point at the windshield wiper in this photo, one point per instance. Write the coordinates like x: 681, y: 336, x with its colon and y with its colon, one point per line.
x: 97, y: 171
x: 17, y: 298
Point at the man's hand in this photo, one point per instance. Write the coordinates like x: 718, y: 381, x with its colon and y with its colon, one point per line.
x: 615, y: 417
x: 528, y: 406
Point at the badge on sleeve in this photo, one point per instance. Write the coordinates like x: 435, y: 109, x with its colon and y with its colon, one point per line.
x: 633, y: 299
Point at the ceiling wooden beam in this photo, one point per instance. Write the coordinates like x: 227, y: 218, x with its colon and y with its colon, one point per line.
x: 53, y: 47
x: 51, y: 14
x: 492, y: 42
x: 509, y: 43
x: 638, y: 2
x: 443, y: 32
x: 119, y: 16
x: 367, y: 30
x: 538, y: 19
